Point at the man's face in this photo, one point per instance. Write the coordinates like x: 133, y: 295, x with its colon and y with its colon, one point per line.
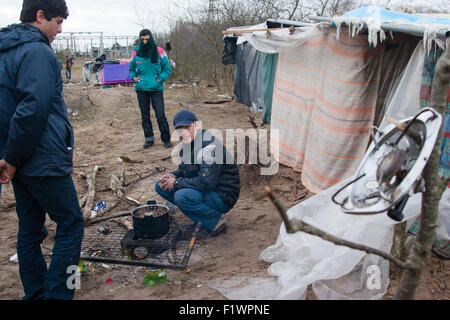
x: 145, y: 39
x: 187, y: 133
x: 49, y: 28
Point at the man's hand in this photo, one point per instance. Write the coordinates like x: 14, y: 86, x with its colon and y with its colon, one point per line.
x: 166, y: 182
x: 137, y: 79
x: 7, y: 172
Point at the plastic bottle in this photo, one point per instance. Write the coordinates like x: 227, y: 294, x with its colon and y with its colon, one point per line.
x: 154, y: 276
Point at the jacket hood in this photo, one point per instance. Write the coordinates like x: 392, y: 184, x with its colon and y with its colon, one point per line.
x: 18, y: 34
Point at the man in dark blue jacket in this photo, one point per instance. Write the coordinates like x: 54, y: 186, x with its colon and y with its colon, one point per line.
x: 36, y: 146
x: 206, y: 184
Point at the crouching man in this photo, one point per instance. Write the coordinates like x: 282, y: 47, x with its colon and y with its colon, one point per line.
x: 205, y: 186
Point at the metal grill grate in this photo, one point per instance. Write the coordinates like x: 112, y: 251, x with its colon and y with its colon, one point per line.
x: 117, y: 246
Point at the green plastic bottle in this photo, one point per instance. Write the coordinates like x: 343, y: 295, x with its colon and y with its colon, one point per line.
x: 155, y: 276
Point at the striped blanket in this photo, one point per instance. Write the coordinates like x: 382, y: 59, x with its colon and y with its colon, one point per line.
x: 323, y: 106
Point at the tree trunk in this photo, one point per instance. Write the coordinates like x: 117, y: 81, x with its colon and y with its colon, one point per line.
x: 398, y: 246
x: 421, y: 250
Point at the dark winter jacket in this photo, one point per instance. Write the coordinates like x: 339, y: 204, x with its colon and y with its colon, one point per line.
x: 35, y: 133
x: 203, y: 174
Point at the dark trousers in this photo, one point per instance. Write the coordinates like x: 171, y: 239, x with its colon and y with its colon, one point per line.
x: 57, y: 196
x: 157, y: 101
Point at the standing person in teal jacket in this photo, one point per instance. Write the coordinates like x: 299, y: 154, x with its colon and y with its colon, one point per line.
x: 149, y: 69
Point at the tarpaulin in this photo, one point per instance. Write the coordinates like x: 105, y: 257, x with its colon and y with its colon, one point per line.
x: 116, y: 73
x: 377, y: 20
x: 323, y: 106
x: 336, y: 272
x: 385, y: 15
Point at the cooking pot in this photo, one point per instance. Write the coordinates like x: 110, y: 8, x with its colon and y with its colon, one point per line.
x: 150, y: 221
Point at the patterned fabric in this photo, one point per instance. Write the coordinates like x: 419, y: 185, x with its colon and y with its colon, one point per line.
x: 323, y: 106
x: 425, y: 97
x: 441, y: 247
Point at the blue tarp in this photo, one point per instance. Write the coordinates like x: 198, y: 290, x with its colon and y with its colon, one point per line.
x: 384, y: 15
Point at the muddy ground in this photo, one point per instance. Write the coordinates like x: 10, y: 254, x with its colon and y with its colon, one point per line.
x: 107, y: 125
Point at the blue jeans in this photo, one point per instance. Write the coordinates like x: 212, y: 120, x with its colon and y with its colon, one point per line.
x: 190, y: 201
x: 68, y: 75
x: 57, y: 196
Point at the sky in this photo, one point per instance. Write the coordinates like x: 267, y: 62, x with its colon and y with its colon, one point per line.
x: 112, y: 17
x: 116, y: 17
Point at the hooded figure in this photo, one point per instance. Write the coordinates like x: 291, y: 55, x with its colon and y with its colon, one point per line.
x: 149, y: 69
x: 148, y: 49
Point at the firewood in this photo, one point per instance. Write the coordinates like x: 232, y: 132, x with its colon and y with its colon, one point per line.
x: 90, y: 200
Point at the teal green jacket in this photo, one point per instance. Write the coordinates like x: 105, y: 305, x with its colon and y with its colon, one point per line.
x: 150, y: 72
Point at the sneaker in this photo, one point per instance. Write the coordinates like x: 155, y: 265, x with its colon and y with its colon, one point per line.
x: 168, y: 145
x: 148, y: 144
x: 203, y: 234
x: 219, y: 229
x: 188, y: 230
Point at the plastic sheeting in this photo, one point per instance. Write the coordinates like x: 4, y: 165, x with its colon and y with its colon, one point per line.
x: 279, y: 40
x: 405, y: 101
x: 373, y: 17
x: 397, y: 54
x: 87, y: 70
x: 443, y: 228
x: 336, y: 272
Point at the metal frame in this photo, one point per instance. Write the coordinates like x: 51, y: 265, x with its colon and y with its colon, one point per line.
x: 138, y: 263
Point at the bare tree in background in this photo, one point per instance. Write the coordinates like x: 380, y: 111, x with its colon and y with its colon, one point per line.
x: 194, y: 30
x: 195, y: 33
x: 330, y: 8
x: 145, y: 19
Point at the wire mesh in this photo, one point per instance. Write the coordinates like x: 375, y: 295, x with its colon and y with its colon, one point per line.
x: 112, y: 241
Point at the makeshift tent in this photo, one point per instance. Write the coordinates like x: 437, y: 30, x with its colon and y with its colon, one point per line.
x: 330, y: 88
x: 87, y: 70
x: 331, y: 85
